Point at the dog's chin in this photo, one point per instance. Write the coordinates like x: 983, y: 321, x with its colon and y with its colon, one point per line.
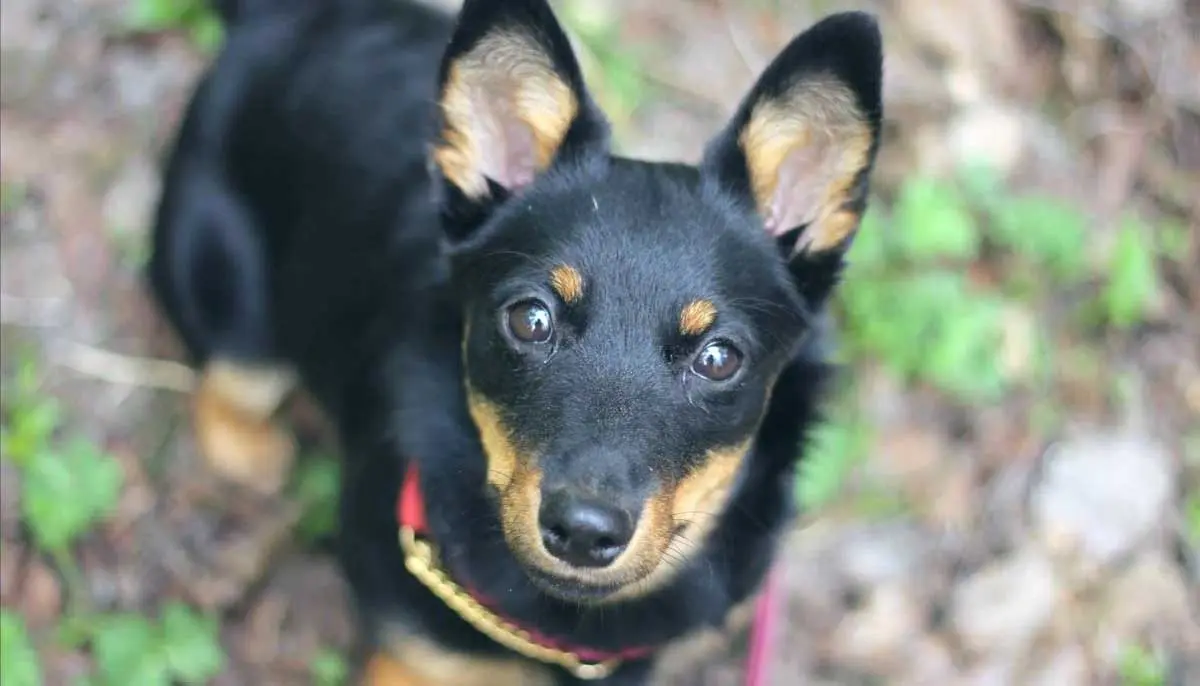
x: 572, y: 590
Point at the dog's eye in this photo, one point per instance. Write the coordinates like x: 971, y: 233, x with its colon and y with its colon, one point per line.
x: 529, y: 321
x: 717, y: 361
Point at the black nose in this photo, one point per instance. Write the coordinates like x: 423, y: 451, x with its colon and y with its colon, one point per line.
x: 583, y: 533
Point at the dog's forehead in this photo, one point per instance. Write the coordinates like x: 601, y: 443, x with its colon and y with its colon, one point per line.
x: 646, y: 232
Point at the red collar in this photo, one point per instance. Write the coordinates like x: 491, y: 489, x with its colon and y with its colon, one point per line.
x: 410, y: 512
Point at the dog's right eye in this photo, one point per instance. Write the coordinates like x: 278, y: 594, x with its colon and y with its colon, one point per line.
x: 529, y: 321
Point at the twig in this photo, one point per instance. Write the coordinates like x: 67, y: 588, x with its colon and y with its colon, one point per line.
x: 127, y: 370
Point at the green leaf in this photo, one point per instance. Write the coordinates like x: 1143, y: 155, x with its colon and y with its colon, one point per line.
x: 65, y: 493
x: 128, y: 653
x: 934, y: 222
x: 317, y: 486
x: 208, y: 32
x: 155, y: 15
x: 1140, y: 667
x: 329, y: 669
x: 30, y: 430
x: 834, y: 449
x: 1046, y: 231
x: 1133, y: 277
x: 1191, y: 518
x: 19, y: 663
x: 190, y: 644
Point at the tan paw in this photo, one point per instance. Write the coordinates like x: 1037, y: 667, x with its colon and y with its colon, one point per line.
x: 242, y: 444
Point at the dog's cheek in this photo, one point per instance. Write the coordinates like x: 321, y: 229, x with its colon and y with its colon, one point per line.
x: 519, y: 504
x: 702, y: 493
x: 501, y: 454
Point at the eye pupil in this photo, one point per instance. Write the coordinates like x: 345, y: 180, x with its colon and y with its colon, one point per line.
x: 530, y: 322
x: 717, y: 362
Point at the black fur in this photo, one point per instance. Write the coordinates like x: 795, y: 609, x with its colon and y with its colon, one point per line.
x: 302, y: 221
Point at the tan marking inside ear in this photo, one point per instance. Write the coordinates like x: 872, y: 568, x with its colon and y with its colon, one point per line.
x: 506, y: 80
x: 815, y: 132
x: 567, y: 282
x: 410, y: 661
x: 498, y: 448
x: 233, y: 410
x: 696, y: 317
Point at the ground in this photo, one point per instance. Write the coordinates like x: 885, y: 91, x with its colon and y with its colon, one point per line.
x: 1007, y: 491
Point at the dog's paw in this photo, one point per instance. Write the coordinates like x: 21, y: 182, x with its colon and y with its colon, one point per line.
x: 256, y: 453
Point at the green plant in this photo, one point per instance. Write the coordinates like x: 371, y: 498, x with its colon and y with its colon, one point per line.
x: 19, y: 662
x: 31, y: 418
x: 1041, y: 232
x: 909, y: 303
x: 834, y: 449
x: 196, y: 17
x: 12, y: 195
x: 616, y: 75
x: 1132, y: 276
x: 328, y: 668
x: 318, y: 481
x: 1191, y: 518
x: 182, y: 647
x: 1141, y: 667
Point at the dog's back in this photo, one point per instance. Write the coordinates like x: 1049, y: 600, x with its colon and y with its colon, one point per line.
x: 297, y: 184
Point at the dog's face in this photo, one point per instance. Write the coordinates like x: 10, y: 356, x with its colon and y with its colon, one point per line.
x: 625, y: 322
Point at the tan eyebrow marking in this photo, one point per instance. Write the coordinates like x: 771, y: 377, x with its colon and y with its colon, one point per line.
x: 696, y: 317
x: 567, y: 282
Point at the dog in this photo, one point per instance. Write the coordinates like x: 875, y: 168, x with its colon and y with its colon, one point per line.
x: 572, y: 389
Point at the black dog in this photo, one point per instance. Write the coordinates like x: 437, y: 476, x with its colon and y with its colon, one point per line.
x: 580, y: 382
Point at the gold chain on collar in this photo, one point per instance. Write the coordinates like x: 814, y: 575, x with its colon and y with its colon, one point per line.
x: 420, y: 558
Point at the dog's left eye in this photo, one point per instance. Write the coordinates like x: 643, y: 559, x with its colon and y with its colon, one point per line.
x: 529, y: 321
x: 718, y: 361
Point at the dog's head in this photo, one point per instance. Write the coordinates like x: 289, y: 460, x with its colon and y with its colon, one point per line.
x: 625, y: 321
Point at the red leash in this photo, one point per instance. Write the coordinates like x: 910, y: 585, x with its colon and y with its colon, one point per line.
x: 410, y: 512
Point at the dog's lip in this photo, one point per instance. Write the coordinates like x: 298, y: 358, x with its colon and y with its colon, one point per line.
x: 571, y: 588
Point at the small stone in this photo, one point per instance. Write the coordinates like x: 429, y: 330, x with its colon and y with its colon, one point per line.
x: 1001, y: 608
x: 1067, y: 667
x: 41, y: 595
x: 883, y: 553
x: 1102, y: 496
x: 1151, y: 597
x: 129, y: 202
x: 878, y: 636
x: 992, y: 673
x: 988, y: 134
x: 929, y: 662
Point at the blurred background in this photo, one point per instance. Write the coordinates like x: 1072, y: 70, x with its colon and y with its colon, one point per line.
x: 1008, y: 492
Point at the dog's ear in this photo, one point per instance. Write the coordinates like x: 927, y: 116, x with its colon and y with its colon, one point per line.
x: 512, y: 103
x: 801, y: 146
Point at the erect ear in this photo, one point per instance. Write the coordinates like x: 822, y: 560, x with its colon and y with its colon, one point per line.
x: 801, y: 146
x: 512, y: 102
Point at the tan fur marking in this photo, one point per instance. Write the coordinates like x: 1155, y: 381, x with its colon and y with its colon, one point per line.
x: 411, y: 661
x: 820, y: 120
x: 702, y: 494
x: 506, y: 79
x: 694, y: 503
x: 567, y: 282
x: 232, y: 412
x: 696, y: 317
x: 501, y: 454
